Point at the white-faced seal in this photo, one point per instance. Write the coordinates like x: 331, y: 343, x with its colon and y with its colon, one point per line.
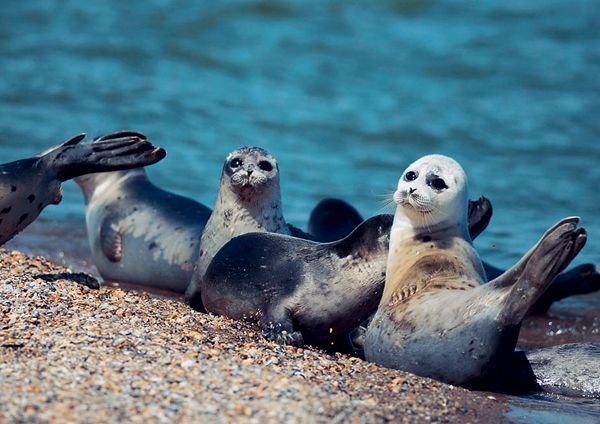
x: 249, y: 200
x: 436, y: 317
x: 140, y: 233
x: 29, y: 185
x: 302, y: 291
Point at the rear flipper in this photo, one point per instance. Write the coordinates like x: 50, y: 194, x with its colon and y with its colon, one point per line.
x: 277, y: 326
x: 579, y: 280
x: 570, y: 370
x: 113, y: 152
x: 531, y: 276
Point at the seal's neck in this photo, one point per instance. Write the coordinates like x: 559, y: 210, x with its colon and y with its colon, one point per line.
x: 405, y: 229
x: 252, y: 212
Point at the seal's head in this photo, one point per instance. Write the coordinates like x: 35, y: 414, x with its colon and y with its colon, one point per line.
x: 252, y: 173
x: 432, y: 192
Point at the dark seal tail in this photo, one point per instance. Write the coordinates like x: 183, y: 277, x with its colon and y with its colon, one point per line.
x: 113, y: 152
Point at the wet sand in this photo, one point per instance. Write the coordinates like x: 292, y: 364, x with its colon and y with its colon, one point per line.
x: 74, y: 354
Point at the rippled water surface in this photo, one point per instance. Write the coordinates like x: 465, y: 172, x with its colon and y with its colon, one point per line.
x: 344, y: 94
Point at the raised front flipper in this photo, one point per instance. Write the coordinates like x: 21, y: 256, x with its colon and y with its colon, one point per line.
x: 529, y: 278
x: 113, y: 152
x: 277, y: 326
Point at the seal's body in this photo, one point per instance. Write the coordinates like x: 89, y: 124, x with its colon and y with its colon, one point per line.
x: 436, y: 317
x: 140, y: 233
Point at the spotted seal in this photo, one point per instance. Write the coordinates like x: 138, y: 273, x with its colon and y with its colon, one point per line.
x: 27, y: 186
x: 140, y: 233
x: 249, y: 200
x: 436, y: 317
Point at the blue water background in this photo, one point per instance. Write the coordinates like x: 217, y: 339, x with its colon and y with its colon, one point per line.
x: 345, y: 94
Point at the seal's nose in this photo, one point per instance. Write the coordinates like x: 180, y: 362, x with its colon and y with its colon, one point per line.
x: 412, y: 190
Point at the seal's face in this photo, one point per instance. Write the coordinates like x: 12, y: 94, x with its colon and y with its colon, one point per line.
x: 432, y: 190
x: 251, y: 171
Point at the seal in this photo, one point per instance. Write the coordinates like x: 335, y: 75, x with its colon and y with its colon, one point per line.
x: 27, y: 186
x: 332, y: 219
x: 140, y: 233
x: 436, y: 317
x: 300, y: 291
x: 249, y: 200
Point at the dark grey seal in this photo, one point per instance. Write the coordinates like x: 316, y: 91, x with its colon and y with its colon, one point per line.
x: 27, y: 186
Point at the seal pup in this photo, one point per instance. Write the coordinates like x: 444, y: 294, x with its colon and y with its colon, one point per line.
x: 300, y: 291
x: 27, y: 186
x: 332, y: 219
x: 436, y: 317
x: 249, y: 200
x: 139, y: 233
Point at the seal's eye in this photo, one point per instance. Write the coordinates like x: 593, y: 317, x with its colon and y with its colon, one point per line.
x: 438, y: 184
x: 235, y: 163
x: 411, y: 176
x: 265, y: 165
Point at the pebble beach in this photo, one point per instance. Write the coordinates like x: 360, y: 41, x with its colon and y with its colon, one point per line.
x: 73, y: 353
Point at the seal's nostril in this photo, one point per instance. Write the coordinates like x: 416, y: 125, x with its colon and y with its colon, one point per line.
x: 412, y: 190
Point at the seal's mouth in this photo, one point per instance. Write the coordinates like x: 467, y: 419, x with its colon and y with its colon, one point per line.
x: 413, y: 202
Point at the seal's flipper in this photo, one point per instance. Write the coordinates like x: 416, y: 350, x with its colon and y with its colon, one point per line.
x: 71, y: 142
x: 479, y: 215
x: 110, y: 153
x: 277, y: 325
x: 111, y: 242
x: 531, y: 276
x: 120, y: 134
x: 582, y: 279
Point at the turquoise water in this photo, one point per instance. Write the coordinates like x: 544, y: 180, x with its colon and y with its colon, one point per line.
x: 345, y: 94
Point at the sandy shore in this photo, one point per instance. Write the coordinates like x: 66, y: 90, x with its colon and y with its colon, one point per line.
x: 72, y: 354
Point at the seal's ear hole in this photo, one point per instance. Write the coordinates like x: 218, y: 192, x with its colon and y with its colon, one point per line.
x: 235, y: 163
x: 438, y: 184
x: 265, y: 165
x: 411, y: 176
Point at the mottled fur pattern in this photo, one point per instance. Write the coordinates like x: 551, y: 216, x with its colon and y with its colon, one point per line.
x: 27, y: 186
x: 249, y: 200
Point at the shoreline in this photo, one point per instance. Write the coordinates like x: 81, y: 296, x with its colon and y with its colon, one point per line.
x: 75, y: 354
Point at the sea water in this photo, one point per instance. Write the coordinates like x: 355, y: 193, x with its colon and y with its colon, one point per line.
x: 345, y: 94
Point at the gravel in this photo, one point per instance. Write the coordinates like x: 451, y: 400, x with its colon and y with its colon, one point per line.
x: 73, y: 354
